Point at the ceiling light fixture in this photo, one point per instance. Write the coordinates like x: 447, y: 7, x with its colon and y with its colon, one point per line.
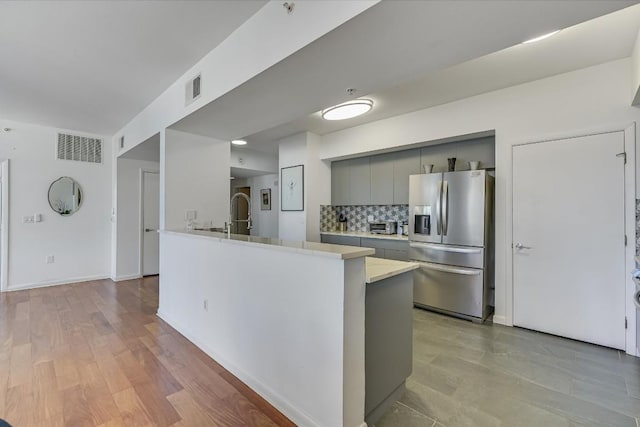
x: 239, y: 142
x: 542, y: 37
x: 347, y: 110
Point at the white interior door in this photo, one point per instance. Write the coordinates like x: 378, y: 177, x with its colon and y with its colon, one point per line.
x: 568, y: 237
x: 151, y: 221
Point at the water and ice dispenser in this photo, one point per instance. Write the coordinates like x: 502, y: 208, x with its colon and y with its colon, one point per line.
x: 422, y: 224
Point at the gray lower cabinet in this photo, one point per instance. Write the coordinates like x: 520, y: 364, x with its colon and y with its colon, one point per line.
x: 340, y: 240
x: 390, y: 249
x: 387, y: 248
x: 388, y: 322
x: 399, y: 255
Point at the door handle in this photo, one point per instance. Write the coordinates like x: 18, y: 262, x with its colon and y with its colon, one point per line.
x: 520, y: 246
x: 445, y: 249
x: 445, y: 207
x: 150, y: 229
x: 438, y: 212
x: 446, y: 269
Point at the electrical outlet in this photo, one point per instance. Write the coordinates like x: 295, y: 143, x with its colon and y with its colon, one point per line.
x: 205, y: 305
x: 370, y: 218
x: 27, y: 219
x: 50, y: 259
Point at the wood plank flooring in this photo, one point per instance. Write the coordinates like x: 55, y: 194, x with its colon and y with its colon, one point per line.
x: 466, y: 374
x: 95, y: 354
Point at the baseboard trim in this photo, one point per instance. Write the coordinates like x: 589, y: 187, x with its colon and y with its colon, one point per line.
x: 48, y: 283
x: 126, y: 277
x: 500, y: 320
x: 275, y: 399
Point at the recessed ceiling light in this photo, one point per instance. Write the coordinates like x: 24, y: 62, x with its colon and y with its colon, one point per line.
x: 347, y: 110
x: 542, y: 37
x: 239, y: 142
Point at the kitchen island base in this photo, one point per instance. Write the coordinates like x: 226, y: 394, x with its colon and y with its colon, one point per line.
x: 388, y: 335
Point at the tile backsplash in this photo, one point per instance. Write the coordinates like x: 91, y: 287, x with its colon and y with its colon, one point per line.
x: 357, y: 215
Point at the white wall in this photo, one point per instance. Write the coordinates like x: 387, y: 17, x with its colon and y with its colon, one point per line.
x: 303, y: 149
x: 128, y: 216
x: 80, y: 243
x: 293, y: 152
x: 635, y: 58
x: 262, y: 41
x: 570, y: 103
x: 265, y: 223
x: 194, y: 175
x: 254, y: 160
x: 318, y: 186
x: 288, y: 323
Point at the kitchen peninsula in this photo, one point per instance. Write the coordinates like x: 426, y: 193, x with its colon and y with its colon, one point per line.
x: 287, y: 318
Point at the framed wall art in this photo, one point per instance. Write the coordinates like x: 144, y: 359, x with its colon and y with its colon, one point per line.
x: 265, y: 199
x: 292, y: 188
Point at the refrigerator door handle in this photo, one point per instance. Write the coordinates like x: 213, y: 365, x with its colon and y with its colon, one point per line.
x: 438, y: 213
x: 453, y: 270
x: 445, y: 249
x: 445, y: 207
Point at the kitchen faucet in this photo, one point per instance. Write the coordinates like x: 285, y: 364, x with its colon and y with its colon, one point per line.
x: 231, y: 220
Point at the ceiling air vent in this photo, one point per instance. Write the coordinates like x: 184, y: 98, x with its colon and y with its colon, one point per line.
x: 79, y: 148
x: 193, y: 88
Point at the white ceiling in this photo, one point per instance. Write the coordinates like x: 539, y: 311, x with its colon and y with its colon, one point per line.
x: 419, y: 43
x: 599, y: 40
x: 93, y: 65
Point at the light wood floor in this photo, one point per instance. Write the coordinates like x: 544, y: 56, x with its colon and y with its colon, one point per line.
x: 95, y: 354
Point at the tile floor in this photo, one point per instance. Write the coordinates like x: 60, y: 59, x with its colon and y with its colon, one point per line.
x: 466, y: 374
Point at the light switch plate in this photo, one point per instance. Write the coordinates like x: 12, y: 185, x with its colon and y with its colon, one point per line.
x: 370, y: 218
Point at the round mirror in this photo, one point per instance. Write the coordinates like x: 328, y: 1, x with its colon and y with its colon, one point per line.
x: 65, y: 196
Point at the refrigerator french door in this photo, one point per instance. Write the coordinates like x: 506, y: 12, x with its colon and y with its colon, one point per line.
x: 450, y: 230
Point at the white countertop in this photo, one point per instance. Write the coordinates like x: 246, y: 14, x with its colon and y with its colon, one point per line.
x: 367, y: 235
x: 377, y: 269
x: 311, y: 248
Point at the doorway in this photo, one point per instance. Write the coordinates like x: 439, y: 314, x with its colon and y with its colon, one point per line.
x: 240, y: 209
x: 150, y: 221
x: 569, y: 238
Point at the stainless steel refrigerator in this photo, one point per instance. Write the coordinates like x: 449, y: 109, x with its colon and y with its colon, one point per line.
x: 451, y: 237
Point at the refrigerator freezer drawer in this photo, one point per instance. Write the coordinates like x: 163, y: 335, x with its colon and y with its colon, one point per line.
x: 454, y: 289
x: 446, y: 254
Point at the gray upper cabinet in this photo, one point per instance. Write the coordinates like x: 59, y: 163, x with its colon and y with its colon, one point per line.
x: 340, y: 183
x: 382, y: 179
x: 406, y: 163
x: 360, y: 181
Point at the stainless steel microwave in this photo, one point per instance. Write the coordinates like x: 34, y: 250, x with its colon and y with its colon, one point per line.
x: 383, y: 227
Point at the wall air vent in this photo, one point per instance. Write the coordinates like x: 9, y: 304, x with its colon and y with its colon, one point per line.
x: 79, y: 148
x: 193, y: 89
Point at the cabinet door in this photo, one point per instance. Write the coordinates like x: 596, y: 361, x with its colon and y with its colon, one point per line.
x: 340, y: 183
x: 340, y: 240
x: 382, y: 179
x: 406, y: 163
x: 360, y: 181
x: 396, y: 254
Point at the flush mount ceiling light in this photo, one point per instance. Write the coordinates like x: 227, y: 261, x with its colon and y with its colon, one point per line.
x: 347, y: 110
x: 239, y: 142
x: 542, y: 37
